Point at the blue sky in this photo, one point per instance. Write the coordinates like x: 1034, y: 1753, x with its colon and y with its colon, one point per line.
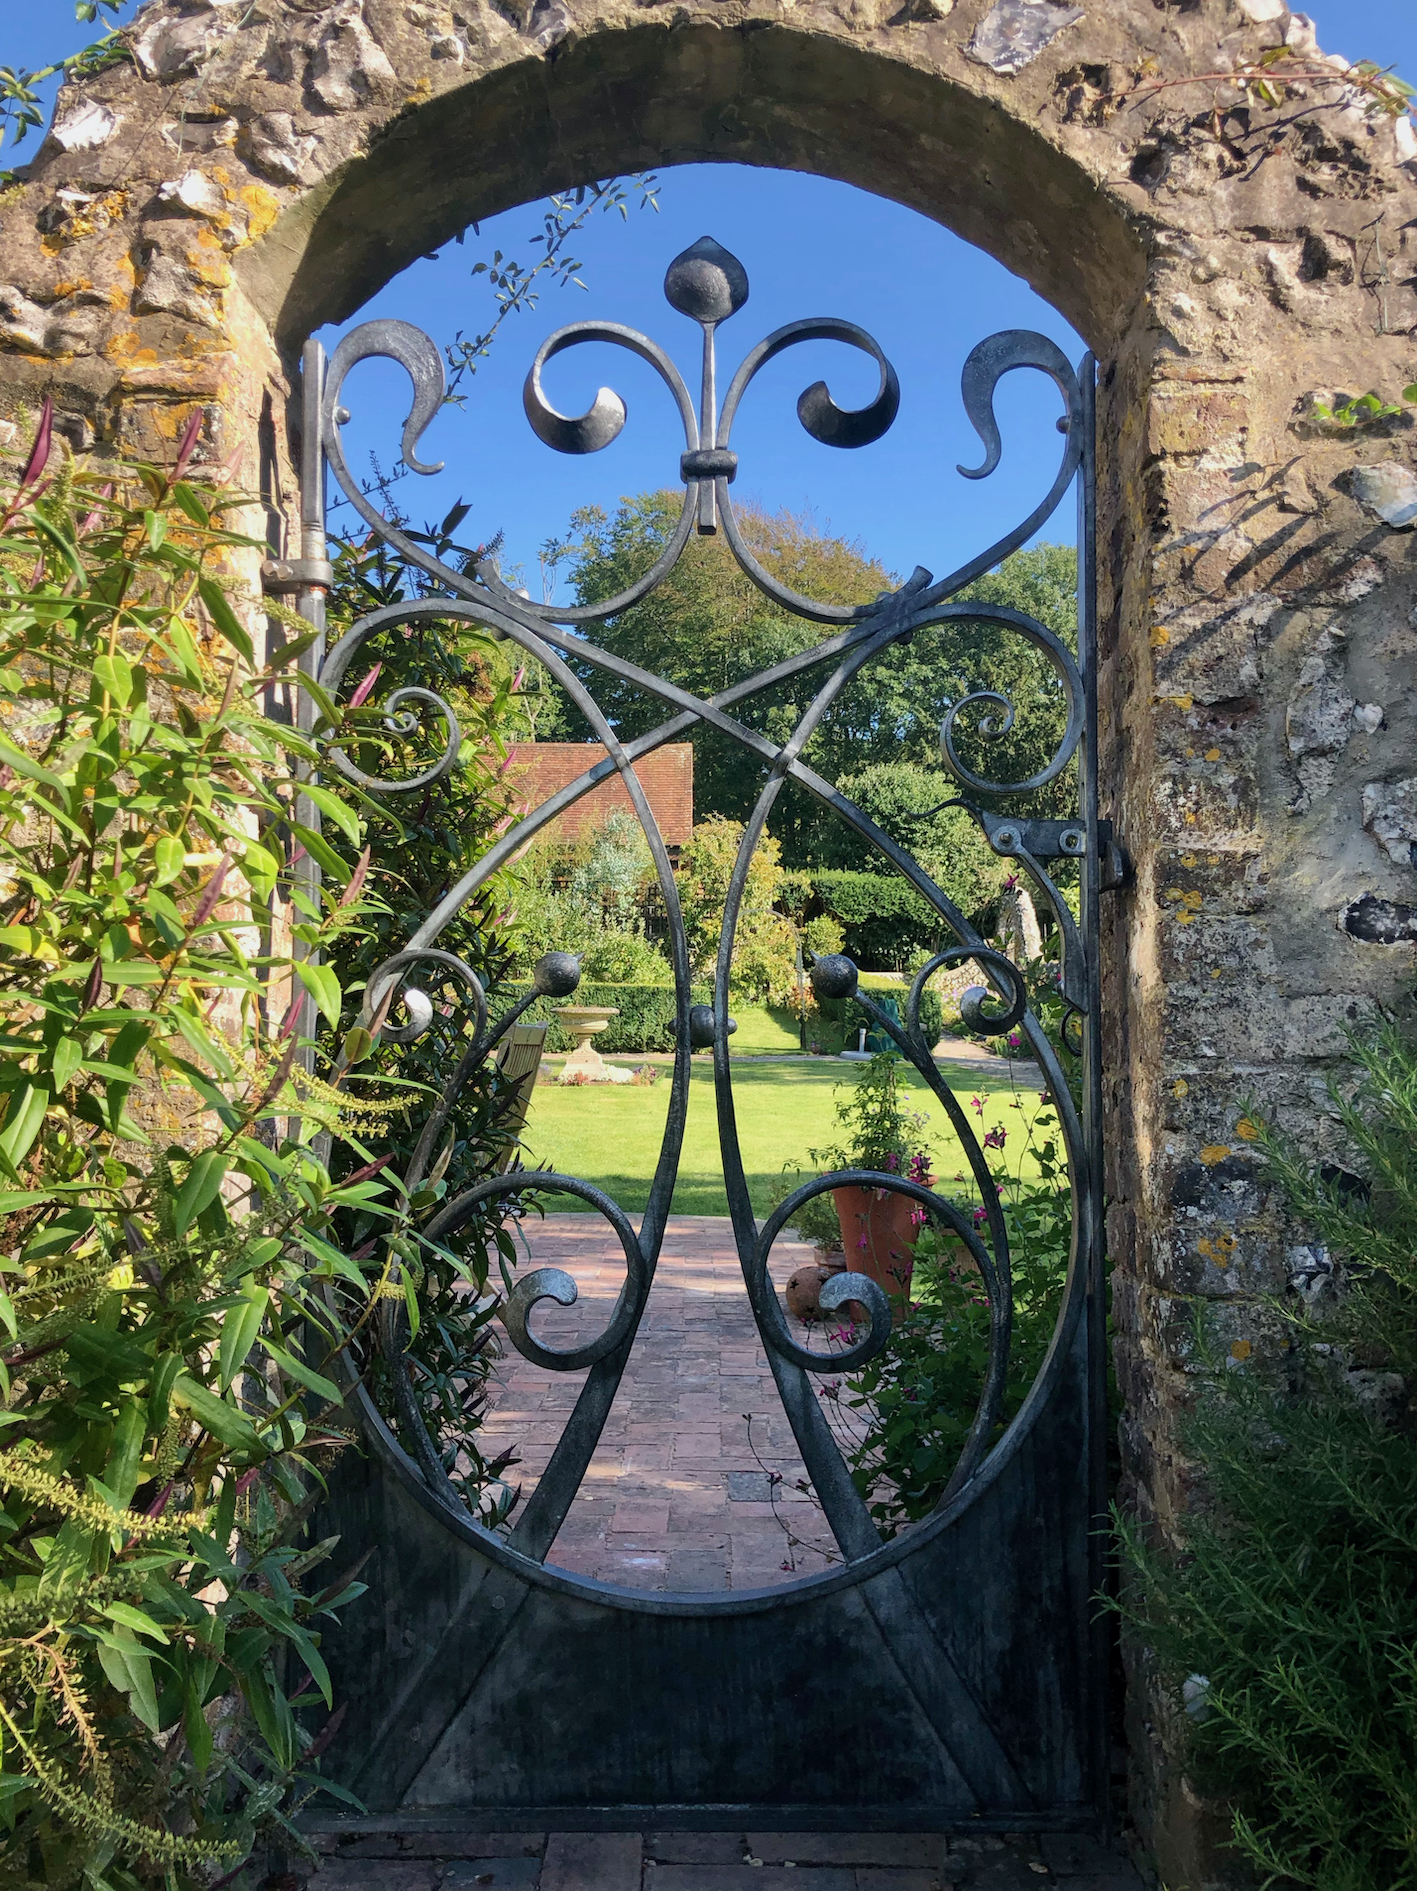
x: 811, y: 247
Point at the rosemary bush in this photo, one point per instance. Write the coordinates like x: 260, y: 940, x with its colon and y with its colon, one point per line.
x: 1287, y: 1627
x: 173, y: 1303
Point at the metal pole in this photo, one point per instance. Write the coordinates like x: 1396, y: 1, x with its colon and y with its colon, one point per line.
x: 1092, y: 1102
x: 314, y: 574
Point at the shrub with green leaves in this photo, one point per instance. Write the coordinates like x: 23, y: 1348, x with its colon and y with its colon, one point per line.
x: 908, y: 1412
x: 173, y: 1306
x: 1285, y: 1626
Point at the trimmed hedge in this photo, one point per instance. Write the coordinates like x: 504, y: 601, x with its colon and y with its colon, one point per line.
x: 886, y: 922
x: 645, y: 1023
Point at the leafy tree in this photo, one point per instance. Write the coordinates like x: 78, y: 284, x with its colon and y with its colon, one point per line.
x: 707, y: 626
x: 765, y: 942
x: 948, y: 845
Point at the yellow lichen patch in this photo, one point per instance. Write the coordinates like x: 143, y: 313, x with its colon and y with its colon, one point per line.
x: 1190, y: 820
x: 1246, y: 1130
x: 1193, y: 899
x: 1214, y: 1152
x: 1217, y: 1250
x: 1180, y: 1088
x: 1212, y: 755
x: 106, y: 209
x: 1241, y: 1350
x: 1160, y: 636
x: 1217, y: 973
x: 126, y: 348
x: 1188, y: 860
x: 262, y: 207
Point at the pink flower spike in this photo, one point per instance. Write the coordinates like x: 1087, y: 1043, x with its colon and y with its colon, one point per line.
x: 188, y: 445
x: 207, y: 902
x: 39, y: 452
x: 362, y: 693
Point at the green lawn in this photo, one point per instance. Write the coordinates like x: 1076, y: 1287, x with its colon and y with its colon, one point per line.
x: 610, y: 1135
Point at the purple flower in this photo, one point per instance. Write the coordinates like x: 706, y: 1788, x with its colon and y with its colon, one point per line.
x: 996, y: 1138
x: 1014, y: 1040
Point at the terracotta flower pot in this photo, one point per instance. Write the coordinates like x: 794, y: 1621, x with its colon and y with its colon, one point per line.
x: 879, y: 1236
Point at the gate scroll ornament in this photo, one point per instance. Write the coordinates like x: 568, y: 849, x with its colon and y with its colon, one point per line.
x: 709, y: 286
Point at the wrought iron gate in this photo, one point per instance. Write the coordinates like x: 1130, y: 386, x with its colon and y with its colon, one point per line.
x: 951, y: 1677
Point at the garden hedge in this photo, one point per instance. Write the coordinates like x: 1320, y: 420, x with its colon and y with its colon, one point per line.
x: 886, y: 922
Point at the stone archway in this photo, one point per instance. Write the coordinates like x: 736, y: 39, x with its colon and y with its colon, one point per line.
x: 262, y: 170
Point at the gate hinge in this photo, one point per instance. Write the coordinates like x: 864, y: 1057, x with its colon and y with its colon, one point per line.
x: 1115, y: 864
x: 281, y: 575
x: 1057, y: 840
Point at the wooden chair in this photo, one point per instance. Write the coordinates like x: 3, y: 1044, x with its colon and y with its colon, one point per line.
x: 518, y: 1060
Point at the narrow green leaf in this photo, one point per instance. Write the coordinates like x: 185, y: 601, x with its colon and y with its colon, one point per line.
x: 191, y: 503
x: 333, y: 808
x: 25, y: 1117
x: 61, y: 542
x: 68, y: 1055
x: 223, y: 1421
x: 238, y: 1332
x: 169, y: 857
x: 23, y: 765
x: 115, y: 674
x: 303, y: 1374
x: 322, y: 986
x: 194, y: 1724
x: 128, y: 1666
x: 199, y: 1190
x: 134, y: 1618
x: 225, y: 619
x: 125, y: 1456
x: 321, y: 852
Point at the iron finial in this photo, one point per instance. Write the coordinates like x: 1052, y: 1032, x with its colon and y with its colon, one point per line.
x: 706, y: 281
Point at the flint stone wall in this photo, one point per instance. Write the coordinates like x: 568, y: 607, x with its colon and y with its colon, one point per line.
x: 259, y: 170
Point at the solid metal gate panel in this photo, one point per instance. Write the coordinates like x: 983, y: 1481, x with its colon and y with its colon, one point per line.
x: 949, y: 1678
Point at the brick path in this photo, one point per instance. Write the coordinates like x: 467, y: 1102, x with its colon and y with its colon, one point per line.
x: 718, y: 1861
x: 675, y: 1497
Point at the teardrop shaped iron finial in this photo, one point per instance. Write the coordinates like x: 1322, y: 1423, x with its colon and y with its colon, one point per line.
x: 706, y: 282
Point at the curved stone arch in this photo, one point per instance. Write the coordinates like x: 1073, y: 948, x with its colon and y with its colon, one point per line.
x: 189, y: 220
x: 763, y: 92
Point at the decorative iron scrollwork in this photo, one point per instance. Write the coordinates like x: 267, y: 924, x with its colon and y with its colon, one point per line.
x: 709, y: 286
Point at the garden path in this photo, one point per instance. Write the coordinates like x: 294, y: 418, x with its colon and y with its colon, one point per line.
x: 679, y: 1492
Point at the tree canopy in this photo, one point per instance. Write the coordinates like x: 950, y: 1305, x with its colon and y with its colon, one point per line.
x: 707, y: 626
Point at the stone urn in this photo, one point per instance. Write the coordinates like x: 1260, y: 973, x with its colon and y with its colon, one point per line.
x: 878, y: 1233
x: 585, y: 1064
